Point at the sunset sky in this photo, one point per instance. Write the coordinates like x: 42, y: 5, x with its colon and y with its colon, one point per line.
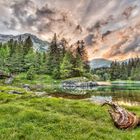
x: 78, y: 19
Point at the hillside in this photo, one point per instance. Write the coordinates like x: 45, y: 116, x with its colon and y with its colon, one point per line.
x: 38, y: 44
x: 98, y: 63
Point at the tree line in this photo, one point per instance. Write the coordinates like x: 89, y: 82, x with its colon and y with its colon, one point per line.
x: 129, y: 70
x: 59, y: 61
x: 17, y: 56
x: 63, y: 63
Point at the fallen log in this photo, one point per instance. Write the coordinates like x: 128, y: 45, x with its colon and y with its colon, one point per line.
x: 122, y: 118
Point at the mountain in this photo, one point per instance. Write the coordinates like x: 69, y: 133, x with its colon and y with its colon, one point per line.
x: 38, y: 44
x: 98, y: 63
x: 110, y: 28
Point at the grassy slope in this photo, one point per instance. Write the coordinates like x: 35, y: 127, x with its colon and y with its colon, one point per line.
x: 30, y: 118
x: 39, y: 79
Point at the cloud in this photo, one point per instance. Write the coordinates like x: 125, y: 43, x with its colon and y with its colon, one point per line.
x: 46, y: 17
x: 23, y: 11
x: 45, y: 11
x: 134, y: 46
x: 39, y: 14
x: 27, y: 16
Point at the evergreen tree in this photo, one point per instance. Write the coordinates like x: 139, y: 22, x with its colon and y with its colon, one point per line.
x: 78, y: 66
x: 28, y: 44
x: 30, y: 73
x: 115, y: 71
x: 66, y: 67
x: 135, y: 73
x: 30, y: 60
x: 4, y: 54
x: 54, y: 58
x: 44, y: 57
x: 124, y: 71
x: 43, y: 66
x: 81, y: 50
x: 11, y: 47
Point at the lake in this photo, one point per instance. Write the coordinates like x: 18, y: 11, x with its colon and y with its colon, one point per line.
x: 127, y: 93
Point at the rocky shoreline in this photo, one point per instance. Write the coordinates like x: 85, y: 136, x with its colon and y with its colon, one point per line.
x: 71, y: 83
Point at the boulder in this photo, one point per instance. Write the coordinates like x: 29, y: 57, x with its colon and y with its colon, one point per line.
x: 82, y: 84
x: 27, y: 87
x: 3, y: 75
x: 41, y: 93
x: 37, y: 87
x: 9, y: 80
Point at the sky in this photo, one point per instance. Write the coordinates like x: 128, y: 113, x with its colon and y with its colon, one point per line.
x: 72, y: 19
x: 43, y: 17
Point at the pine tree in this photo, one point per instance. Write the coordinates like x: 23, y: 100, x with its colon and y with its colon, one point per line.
x: 123, y: 71
x: 78, y: 66
x: 38, y: 62
x: 4, y: 54
x: 30, y: 73
x: 30, y: 60
x: 11, y: 47
x: 54, y: 58
x: 135, y: 73
x: 66, y: 67
x: 28, y: 44
x: 81, y: 50
x: 44, y: 57
x: 43, y: 64
x: 115, y: 70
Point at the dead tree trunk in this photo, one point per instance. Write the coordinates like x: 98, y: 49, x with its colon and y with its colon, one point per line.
x: 122, y: 118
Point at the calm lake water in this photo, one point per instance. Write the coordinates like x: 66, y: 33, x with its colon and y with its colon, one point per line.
x: 121, y: 92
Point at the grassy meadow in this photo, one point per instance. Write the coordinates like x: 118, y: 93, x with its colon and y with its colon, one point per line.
x: 28, y: 117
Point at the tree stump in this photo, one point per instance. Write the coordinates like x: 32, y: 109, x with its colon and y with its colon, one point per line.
x: 122, y: 118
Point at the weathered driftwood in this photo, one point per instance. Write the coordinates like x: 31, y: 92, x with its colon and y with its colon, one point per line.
x: 122, y: 118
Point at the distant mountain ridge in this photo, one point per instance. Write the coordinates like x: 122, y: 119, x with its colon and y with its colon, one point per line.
x: 101, y: 62
x: 98, y: 63
x: 38, y: 44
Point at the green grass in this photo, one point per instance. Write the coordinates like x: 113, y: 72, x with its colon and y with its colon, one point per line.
x: 39, y: 83
x: 39, y: 79
x: 26, y: 117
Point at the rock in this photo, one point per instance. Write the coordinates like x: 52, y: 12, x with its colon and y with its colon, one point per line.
x: 15, y: 92
x: 49, y: 96
x: 41, y: 93
x: 3, y: 75
x: 100, y: 99
x: 37, y: 87
x: 79, y: 84
x: 86, y: 84
x: 9, y: 80
x: 68, y: 84
x: 27, y: 87
x: 1, y: 90
x: 103, y: 83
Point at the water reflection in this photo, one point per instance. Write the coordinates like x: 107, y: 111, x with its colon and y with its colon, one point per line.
x: 100, y: 99
x: 121, y: 92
